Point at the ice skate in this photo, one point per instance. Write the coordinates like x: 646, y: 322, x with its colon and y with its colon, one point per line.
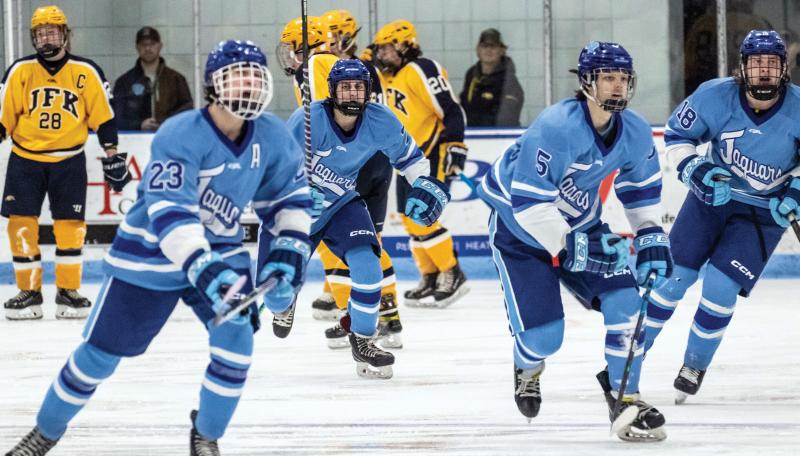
x: 425, y: 289
x: 337, y: 334
x: 199, y: 445
x: 687, y: 383
x: 371, y: 361
x: 389, y: 326
x: 33, y: 444
x: 324, y: 308
x: 637, y: 421
x: 450, y: 286
x: 282, y: 322
x: 26, y: 305
x: 70, y: 305
x: 527, y: 391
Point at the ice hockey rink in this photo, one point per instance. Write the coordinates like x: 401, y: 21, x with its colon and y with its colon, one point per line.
x: 451, y: 393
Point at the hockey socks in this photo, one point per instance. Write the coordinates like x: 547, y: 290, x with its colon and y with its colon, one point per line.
x: 664, y: 300
x: 532, y: 346
x: 366, y: 293
x: 86, y: 368
x: 620, y: 310
x: 711, y: 319
x: 231, y: 347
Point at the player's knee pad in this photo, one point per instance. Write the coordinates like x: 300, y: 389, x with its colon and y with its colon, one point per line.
x: 719, y: 289
x: 232, y: 344
x: 675, y: 287
x: 23, y: 234
x: 536, y: 344
x: 368, y: 266
x: 69, y: 234
x: 620, y: 308
x: 91, y: 365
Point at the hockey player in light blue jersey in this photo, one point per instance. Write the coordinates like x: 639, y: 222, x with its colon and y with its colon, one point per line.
x: 182, y: 239
x: 545, y: 228
x: 743, y: 193
x: 347, y: 130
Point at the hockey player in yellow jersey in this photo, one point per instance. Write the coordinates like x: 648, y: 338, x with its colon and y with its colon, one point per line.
x: 340, y: 29
x: 320, y: 59
x: 48, y: 102
x: 418, y: 92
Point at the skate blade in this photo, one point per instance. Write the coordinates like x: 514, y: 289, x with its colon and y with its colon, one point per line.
x: 390, y: 341
x: 364, y: 370
x: 337, y: 344
x: 622, y: 424
x: 417, y: 303
x: 64, y: 312
x: 640, y: 435
x: 680, y: 397
x: 29, y: 313
x: 464, y: 289
x: 327, y: 315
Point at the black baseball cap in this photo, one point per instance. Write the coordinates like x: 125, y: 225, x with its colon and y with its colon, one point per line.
x: 147, y: 33
x: 491, y: 36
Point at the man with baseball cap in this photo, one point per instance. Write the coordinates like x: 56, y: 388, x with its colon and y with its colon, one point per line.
x: 150, y: 92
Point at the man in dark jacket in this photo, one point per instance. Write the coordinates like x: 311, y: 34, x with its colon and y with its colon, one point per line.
x: 151, y: 91
x: 492, y: 95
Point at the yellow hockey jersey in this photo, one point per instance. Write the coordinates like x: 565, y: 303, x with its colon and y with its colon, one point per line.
x: 421, y: 97
x: 320, y: 65
x: 48, y: 114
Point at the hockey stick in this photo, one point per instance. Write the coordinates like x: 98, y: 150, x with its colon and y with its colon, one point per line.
x: 470, y: 183
x: 306, y: 91
x: 623, y: 419
x: 245, y: 302
x: 795, y: 225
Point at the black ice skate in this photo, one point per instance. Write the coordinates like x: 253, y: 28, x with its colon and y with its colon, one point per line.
x: 425, y: 289
x: 389, y: 326
x: 70, y: 305
x: 324, y: 308
x: 371, y: 361
x: 337, y: 335
x: 282, y: 322
x: 199, y: 445
x: 26, y: 305
x: 450, y: 286
x: 637, y: 421
x: 687, y: 383
x: 527, y: 391
x: 33, y: 444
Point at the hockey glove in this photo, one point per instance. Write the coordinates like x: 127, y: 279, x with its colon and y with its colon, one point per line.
x: 600, y: 253
x: 212, y: 277
x: 115, y: 171
x: 782, y: 208
x: 426, y: 200
x: 455, y: 154
x: 707, y: 181
x: 652, y: 254
x: 317, y: 203
x: 287, y: 258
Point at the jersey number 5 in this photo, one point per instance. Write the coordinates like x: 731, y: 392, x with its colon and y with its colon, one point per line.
x: 542, y: 162
x: 165, y: 176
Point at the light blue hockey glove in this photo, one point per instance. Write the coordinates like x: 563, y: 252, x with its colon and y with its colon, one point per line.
x: 212, y: 276
x: 598, y: 253
x: 707, y: 181
x: 782, y: 208
x: 426, y: 200
x: 317, y: 203
x: 287, y: 258
x: 652, y: 254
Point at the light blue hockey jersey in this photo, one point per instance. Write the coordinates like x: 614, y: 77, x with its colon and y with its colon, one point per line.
x: 559, y: 162
x: 337, y: 158
x: 760, y: 151
x: 193, y: 193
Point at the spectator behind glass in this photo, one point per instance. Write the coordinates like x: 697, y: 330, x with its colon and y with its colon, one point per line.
x: 150, y: 92
x: 492, y: 95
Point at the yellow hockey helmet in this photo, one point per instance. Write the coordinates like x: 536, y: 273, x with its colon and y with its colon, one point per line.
x: 290, y: 48
x: 48, y: 15
x: 44, y: 45
x: 396, y: 32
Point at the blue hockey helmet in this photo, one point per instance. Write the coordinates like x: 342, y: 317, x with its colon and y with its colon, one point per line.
x: 598, y: 57
x: 349, y: 70
x: 236, y: 76
x: 759, y: 85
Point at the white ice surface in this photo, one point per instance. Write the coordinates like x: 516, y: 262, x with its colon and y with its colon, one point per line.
x: 451, y: 394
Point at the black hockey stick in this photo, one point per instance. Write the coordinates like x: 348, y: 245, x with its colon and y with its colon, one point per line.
x: 305, y: 90
x: 618, y: 421
x: 246, y: 301
x: 795, y: 225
